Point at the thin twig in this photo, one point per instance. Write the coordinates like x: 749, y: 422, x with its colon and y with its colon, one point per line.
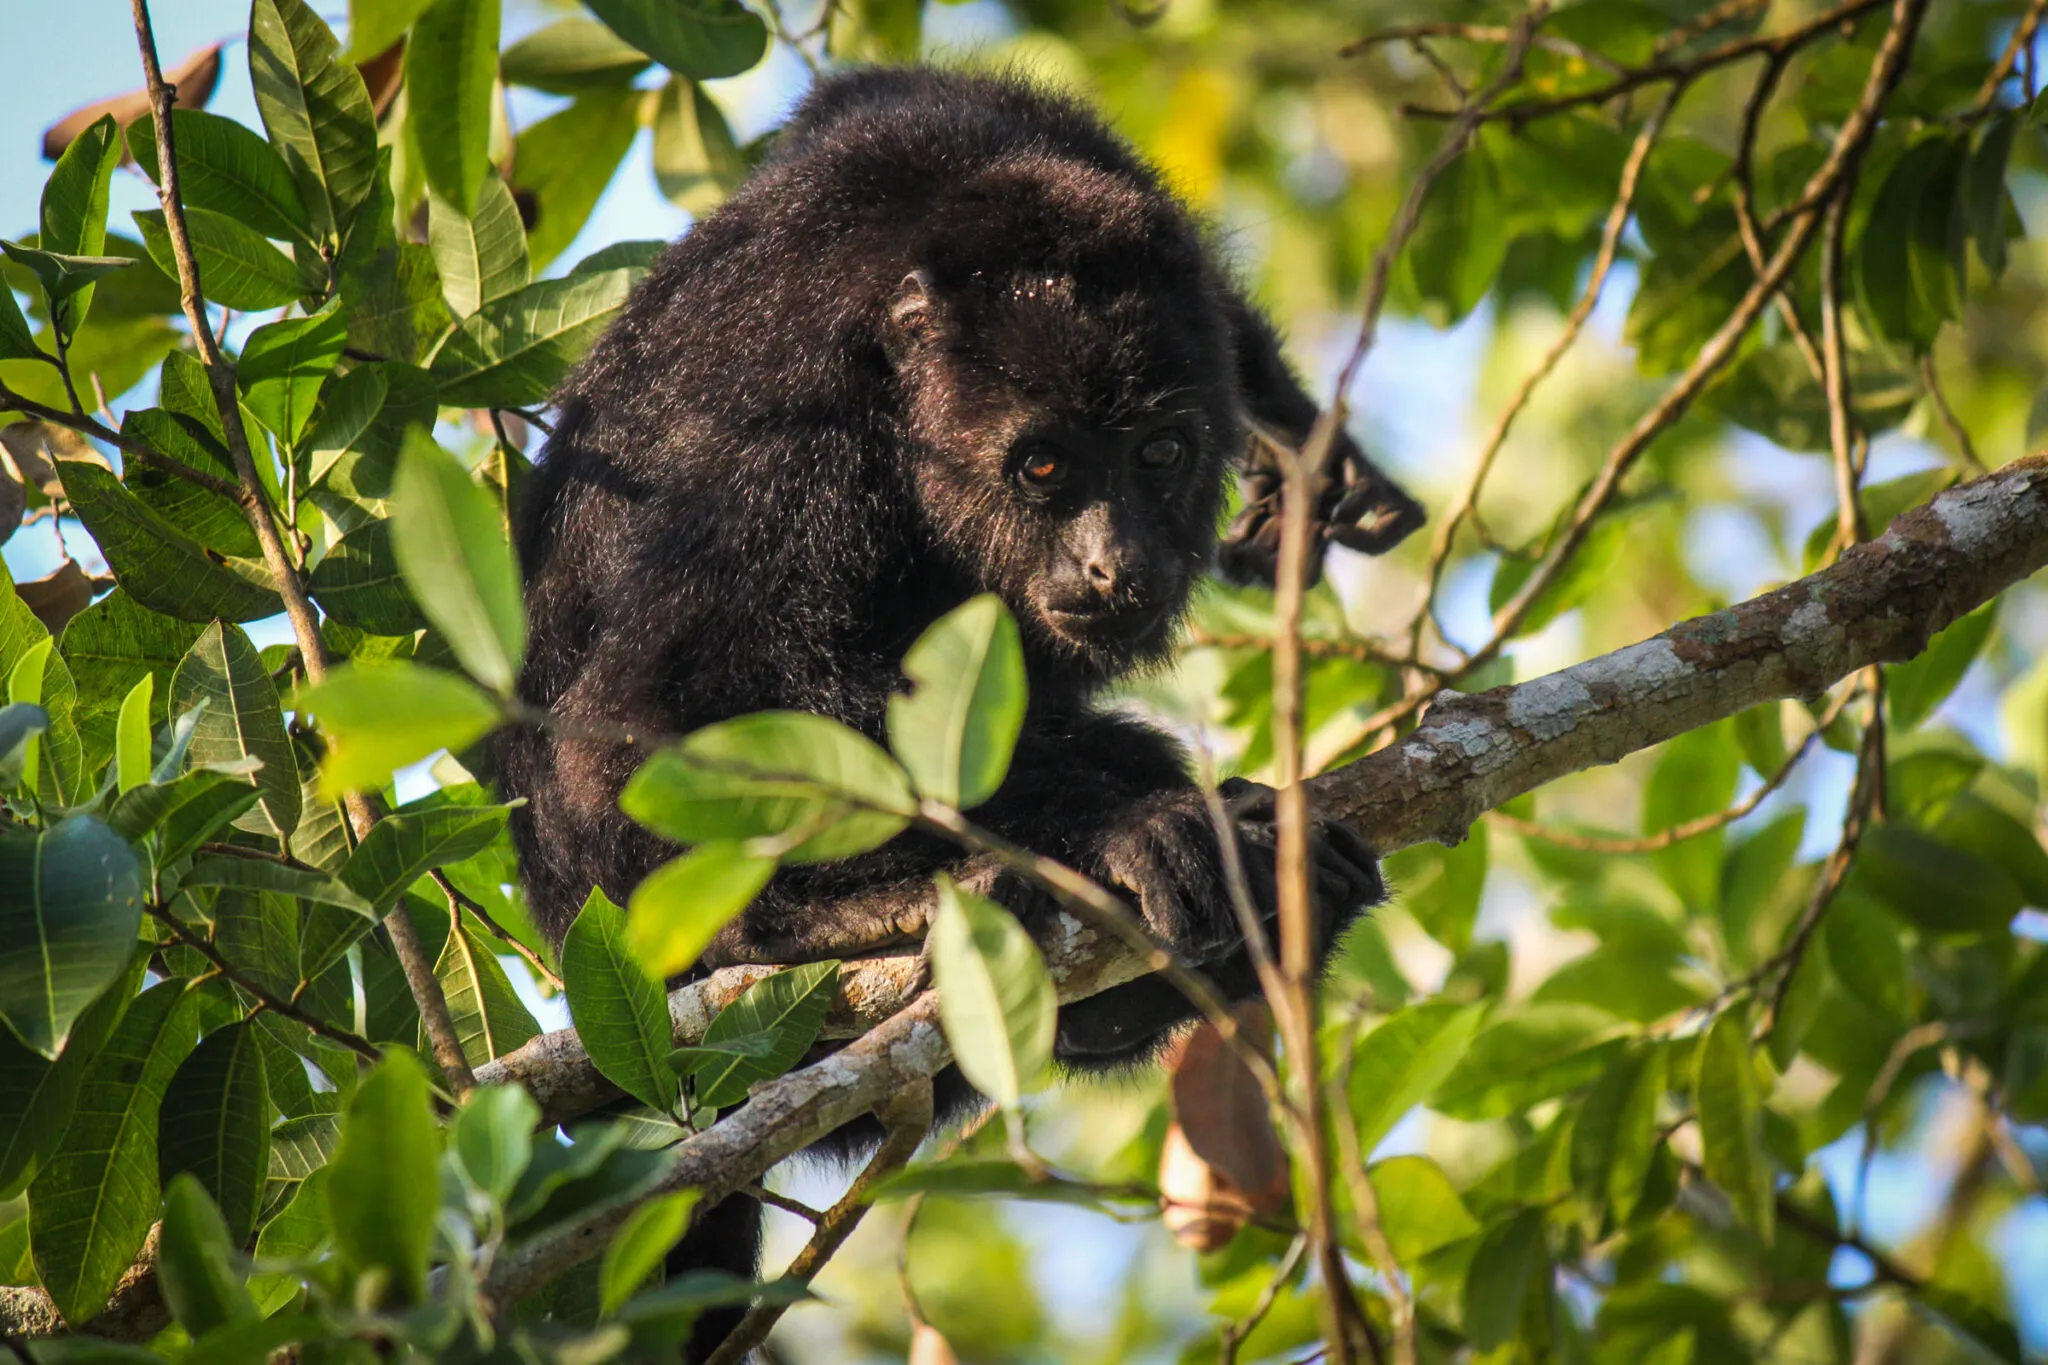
x: 11, y: 401
x: 265, y: 998
x: 1958, y: 433
x: 1742, y: 178
x: 783, y: 1202
x: 220, y: 371
x: 1316, y: 647
x: 1727, y: 12
x: 1365, y: 1202
x: 2022, y: 40
x: 906, y: 1116
x: 458, y: 898
x: 1234, y: 1333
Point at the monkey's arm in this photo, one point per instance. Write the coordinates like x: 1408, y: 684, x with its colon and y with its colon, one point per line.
x: 1359, y: 507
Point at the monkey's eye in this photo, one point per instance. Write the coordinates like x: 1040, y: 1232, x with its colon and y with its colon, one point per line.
x: 1043, y: 467
x: 1163, y: 451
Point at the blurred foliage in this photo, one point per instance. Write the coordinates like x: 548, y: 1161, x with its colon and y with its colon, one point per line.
x: 1625, y: 1097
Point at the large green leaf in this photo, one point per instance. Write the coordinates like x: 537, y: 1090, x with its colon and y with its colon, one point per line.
x: 697, y: 162
x: 954, y: 732
x: 996, y: 999
x: 383, y: 1186
x: 488, y: 1016
x: 1914, y: 689
x: 451, y: 545
x: 1498, y: 1284
x: 399, y: 850
x: 112, y: 645
x: 374, y: 25
x: 451, y: 59
x: 226, y: 167
x: 261, y: 875
x: 566, y: 161
x: 243, y: 719
x: 1907, y: 275
x: 380, y: 717
x: 776, y: 775
x: 216, y: 1124
x: 73, y: 221
x: 701, y: 39
x: 316, y: 109
x: 1695, y: 776
x: 158, y: 565
x: 515, y: 350
x: 1400, y: 1063
x: 358, y: 583
x: 1525, y: 1055
x: 283, y: 365
x: 571, y: 55
x: 17, y: 341
x: 767, y: 1030
x: 481, y: 256
x: 1943, y: 889
x: 214, y: 521
x: 196, y: 1262
x: 1615, y: 1137
x: 91, y: 1204
x: 678, y: 908
x: 639, y: 1245
x: 1419, y: 1210
x: 620, y: 1012
x: 238, y: 267
x: 36, y: 1095
x: 491, y: 1138
x: 390, y: 291
x: 188, y: 809
x: 70, y: 910
x: 1458, y: 245
x: 1729, y: 1104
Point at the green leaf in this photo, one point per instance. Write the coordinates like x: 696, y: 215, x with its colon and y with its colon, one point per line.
x: 1001, y: 1178
x: 92, y: 1202
x: 1867, y: 955
x: 110, y: 647
x: 36, y: 1095
x: 381, y: 717
x: 349, y: 403
x: 261, y: 875
x: 1457, y: 246
x: 702, y: 39
x: 1615, y: 1135
x: 451, y: 60
x: 1915, y: 689
x: 489, y: 1018
x: 216, y: 1125
x: 481, y: 256
x: 131, y: 732
x: 25, y: 688
x: 1441, y: 886
x: 316, y: 109
x: 1526, y: 1054
x: 296, y: 1232
x: 1985, y: 199
x: 1729, y: 1103
x: 374, y: 25
x: 1419, y: 1210
x: 383, y: 1186
x: 996, y: 999
x: 1497, y: 1286
x: 359, y: 584
x: 775, y: 775
x: 64, y: 275
x: 159, y: 566
x: 639, y: 1245
x: 515, y: 350
x: 195, y: 1262
x: 1687, y: 292
x: 678, y: 908
x: 283, y: 365
x: 227, y: 168
x: 566, y: 161
x: 621, y: 1013
x: 1942, y: 889
x: 390, y: 291
x: 17, y: 342
x: 697, y: 162
x: 214, y: 521
x: 22, y: 724
x: 451, y: 545
x: 238, y: 267
x: 787, y: 1008
x: 1907, y: 281
x: 70, y: 910
x: 188, y: 809
x: 73, y: 221
x: 1400, y: 1063
x: 570, y: 56
x: 491, y: 1138
x: 385, y: 864
x: 955, y: 730
x: 638, y: 257
x: 243, y: 718
x: 1695, y: 776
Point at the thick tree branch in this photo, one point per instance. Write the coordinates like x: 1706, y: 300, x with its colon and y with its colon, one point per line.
x: 1879, y: 603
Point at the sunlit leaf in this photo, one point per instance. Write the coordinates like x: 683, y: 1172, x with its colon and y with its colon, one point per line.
x: 451, y: 546
x: 953, y: 732
x: 996, y: 999
x: 678, y: 908
x: 382, y: 1187
x: 70, y: 908
x: 620, y: 1011
x: 640, y: 1243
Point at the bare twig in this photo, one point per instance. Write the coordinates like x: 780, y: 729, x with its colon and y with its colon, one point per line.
x: 1743, y: 181
x: 220, y: 372
x: 1234, y: 1333
x: 2022, y: 40
x: 1931, y: 381
x: 906, y: 1116
x: 1365, y: 1202
x: 460, y: 900
x: 1717, y: 16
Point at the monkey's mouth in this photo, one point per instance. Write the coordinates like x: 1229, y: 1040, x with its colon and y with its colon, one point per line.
x: 1118, y: 625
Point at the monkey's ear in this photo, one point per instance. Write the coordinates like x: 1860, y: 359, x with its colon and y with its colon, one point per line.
x: 913, y: 315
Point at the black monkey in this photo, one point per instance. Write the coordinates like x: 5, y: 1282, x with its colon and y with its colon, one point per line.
x: 953, y: 337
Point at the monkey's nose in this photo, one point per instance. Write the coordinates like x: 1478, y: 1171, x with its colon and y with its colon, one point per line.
x: 1102, y: 571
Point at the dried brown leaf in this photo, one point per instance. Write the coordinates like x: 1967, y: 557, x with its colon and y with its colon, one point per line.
x: 56, y: 598
x: 29, y: 452
x: 195, y: 78
x: 1203, y: 1207
x: 1218, y: 1104
x: 928, y: 1347
x: 383, y: 74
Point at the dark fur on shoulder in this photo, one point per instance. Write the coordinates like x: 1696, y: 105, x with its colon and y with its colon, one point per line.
x: 954, y: 337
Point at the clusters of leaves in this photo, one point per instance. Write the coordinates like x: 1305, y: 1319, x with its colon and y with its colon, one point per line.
x: 1625, y: 1159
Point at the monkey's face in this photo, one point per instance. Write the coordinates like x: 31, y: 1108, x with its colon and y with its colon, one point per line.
x: 1070, y: 458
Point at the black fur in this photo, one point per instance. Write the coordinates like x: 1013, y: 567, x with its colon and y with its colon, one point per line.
x: 806, y: 439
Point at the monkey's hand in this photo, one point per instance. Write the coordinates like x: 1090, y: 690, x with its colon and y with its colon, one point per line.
x: 1168, y: 858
